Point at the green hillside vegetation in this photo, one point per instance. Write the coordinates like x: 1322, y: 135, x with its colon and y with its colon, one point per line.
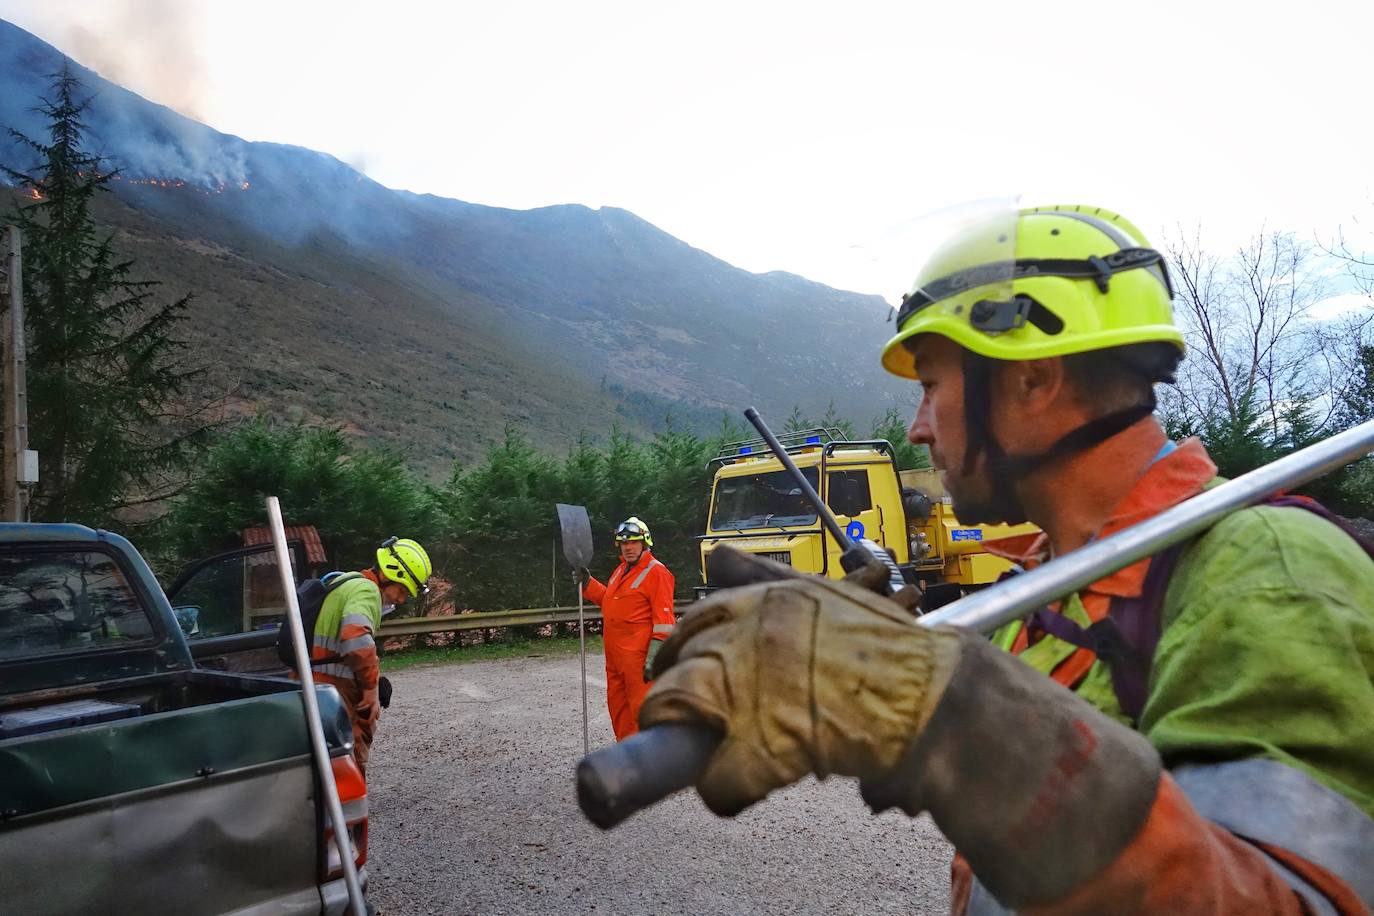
x: 320, y: 332
x: 308, y: 333
x: 491, y: 528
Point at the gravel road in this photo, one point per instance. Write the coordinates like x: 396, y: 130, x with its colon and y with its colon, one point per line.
x: 473, y: 811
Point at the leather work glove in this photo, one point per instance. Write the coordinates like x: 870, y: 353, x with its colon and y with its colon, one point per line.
x: 805, y: 675
x: 1036, y: 788
x: 654, y: 646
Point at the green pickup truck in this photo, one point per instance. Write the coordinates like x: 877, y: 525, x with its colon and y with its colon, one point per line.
x: 142, y: 772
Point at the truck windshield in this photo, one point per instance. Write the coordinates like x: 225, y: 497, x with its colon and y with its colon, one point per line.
x: 66, y: 600
x: 762, y: 501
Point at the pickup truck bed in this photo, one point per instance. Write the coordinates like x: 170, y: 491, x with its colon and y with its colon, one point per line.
x: 195, y: 794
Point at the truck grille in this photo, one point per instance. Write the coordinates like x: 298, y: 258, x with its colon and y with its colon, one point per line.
x: 778, y: 556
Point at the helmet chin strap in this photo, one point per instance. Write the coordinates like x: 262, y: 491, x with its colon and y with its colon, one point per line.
x: 1003, y: 470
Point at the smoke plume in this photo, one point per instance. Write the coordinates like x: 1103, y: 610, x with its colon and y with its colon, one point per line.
x: 149, y: 46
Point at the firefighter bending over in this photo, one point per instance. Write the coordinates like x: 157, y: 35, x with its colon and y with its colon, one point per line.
x: 344, y: 651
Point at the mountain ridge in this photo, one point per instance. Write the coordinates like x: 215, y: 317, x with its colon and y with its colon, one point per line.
x: 589, y: 301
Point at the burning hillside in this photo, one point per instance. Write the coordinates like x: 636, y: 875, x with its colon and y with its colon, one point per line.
x: 218, y: 187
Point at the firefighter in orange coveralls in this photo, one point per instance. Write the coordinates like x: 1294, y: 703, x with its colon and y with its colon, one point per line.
x: 637, y: 611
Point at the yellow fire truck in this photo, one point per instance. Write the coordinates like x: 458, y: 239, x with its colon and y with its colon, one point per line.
x: 757, y: 507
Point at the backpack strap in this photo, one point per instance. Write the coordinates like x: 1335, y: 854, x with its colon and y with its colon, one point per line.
x: 1127, y: 637
x: 1316, y: 508
x: 331, y: 581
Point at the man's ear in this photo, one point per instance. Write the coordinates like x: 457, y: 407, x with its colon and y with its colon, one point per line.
x: 1034, y: 386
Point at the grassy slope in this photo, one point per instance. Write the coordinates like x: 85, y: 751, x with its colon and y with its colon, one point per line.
x: 309, y: 332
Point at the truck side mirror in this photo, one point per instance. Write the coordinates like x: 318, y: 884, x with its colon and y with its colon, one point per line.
x: 188, y: 618
x: 917, y: 504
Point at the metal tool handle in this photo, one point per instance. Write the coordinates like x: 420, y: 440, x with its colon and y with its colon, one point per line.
x: 323, y: 766
x: 808, y: 491
x: 582, y: 656
x: 665, y: 759
x: 617, y: 781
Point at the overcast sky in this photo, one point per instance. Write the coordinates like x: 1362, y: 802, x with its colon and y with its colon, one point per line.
x: 784, y: 136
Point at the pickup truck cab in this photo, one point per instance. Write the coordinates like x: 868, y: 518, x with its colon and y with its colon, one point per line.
x: 134, y: 780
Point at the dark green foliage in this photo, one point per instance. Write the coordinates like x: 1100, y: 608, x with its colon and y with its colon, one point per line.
x: 832, y: 420
x: 501, y: 516
x: 501, y: 513
x: 355, y: 497
x: 892, y: 426
x: 1237, y: 443
x: 1353, y: 490
x: 1357, y: 402
x: 796, y: 421
x: 1244, y: 440
x: 106, y: 383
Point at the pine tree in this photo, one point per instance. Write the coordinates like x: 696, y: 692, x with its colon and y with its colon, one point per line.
x: 833, y: 420
x: 892, y: 426
x: 1357, y: 403
x: 107, y: 386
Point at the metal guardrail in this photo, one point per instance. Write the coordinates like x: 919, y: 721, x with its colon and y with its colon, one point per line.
x: 419, y: 626
x: 485, y: 620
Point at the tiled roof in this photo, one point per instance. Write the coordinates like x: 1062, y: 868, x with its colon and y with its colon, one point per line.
x: 314, y: 547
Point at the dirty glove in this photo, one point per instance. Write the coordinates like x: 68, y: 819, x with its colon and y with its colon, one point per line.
x: 654, y: 646
x: 384, y: 692
x: 803, y: 676
x: 581, y: 575
x: 1035, y: 787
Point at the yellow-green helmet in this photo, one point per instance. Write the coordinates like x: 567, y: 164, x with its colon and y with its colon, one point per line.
x: 1048, y: 281
x: 405, y: 561
x: 632, y: 529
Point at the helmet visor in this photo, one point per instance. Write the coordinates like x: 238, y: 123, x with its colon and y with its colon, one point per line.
x: 629, y: 531
x: 964, y: 260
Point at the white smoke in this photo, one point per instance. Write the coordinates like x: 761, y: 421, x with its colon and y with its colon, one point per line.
x: 150, y: 46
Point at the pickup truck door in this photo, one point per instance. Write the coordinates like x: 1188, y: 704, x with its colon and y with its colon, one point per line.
x: 230, y: 605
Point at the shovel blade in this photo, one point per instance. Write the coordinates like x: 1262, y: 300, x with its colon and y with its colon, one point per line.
x: 577, y: 534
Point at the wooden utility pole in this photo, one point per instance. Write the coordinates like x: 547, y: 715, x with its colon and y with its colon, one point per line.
x: 21, y: 465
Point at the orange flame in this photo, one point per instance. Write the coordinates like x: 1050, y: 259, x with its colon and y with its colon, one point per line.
x: 177, y: 183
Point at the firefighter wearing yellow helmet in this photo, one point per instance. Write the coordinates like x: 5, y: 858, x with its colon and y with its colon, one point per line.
x: 1191, y: 734
x: 404, y: 562
x: 344, y: 650
x: 637, y: 615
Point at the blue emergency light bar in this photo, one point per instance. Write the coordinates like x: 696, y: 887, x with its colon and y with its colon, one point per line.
x: 813, y: 440
x: 745, y: 450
